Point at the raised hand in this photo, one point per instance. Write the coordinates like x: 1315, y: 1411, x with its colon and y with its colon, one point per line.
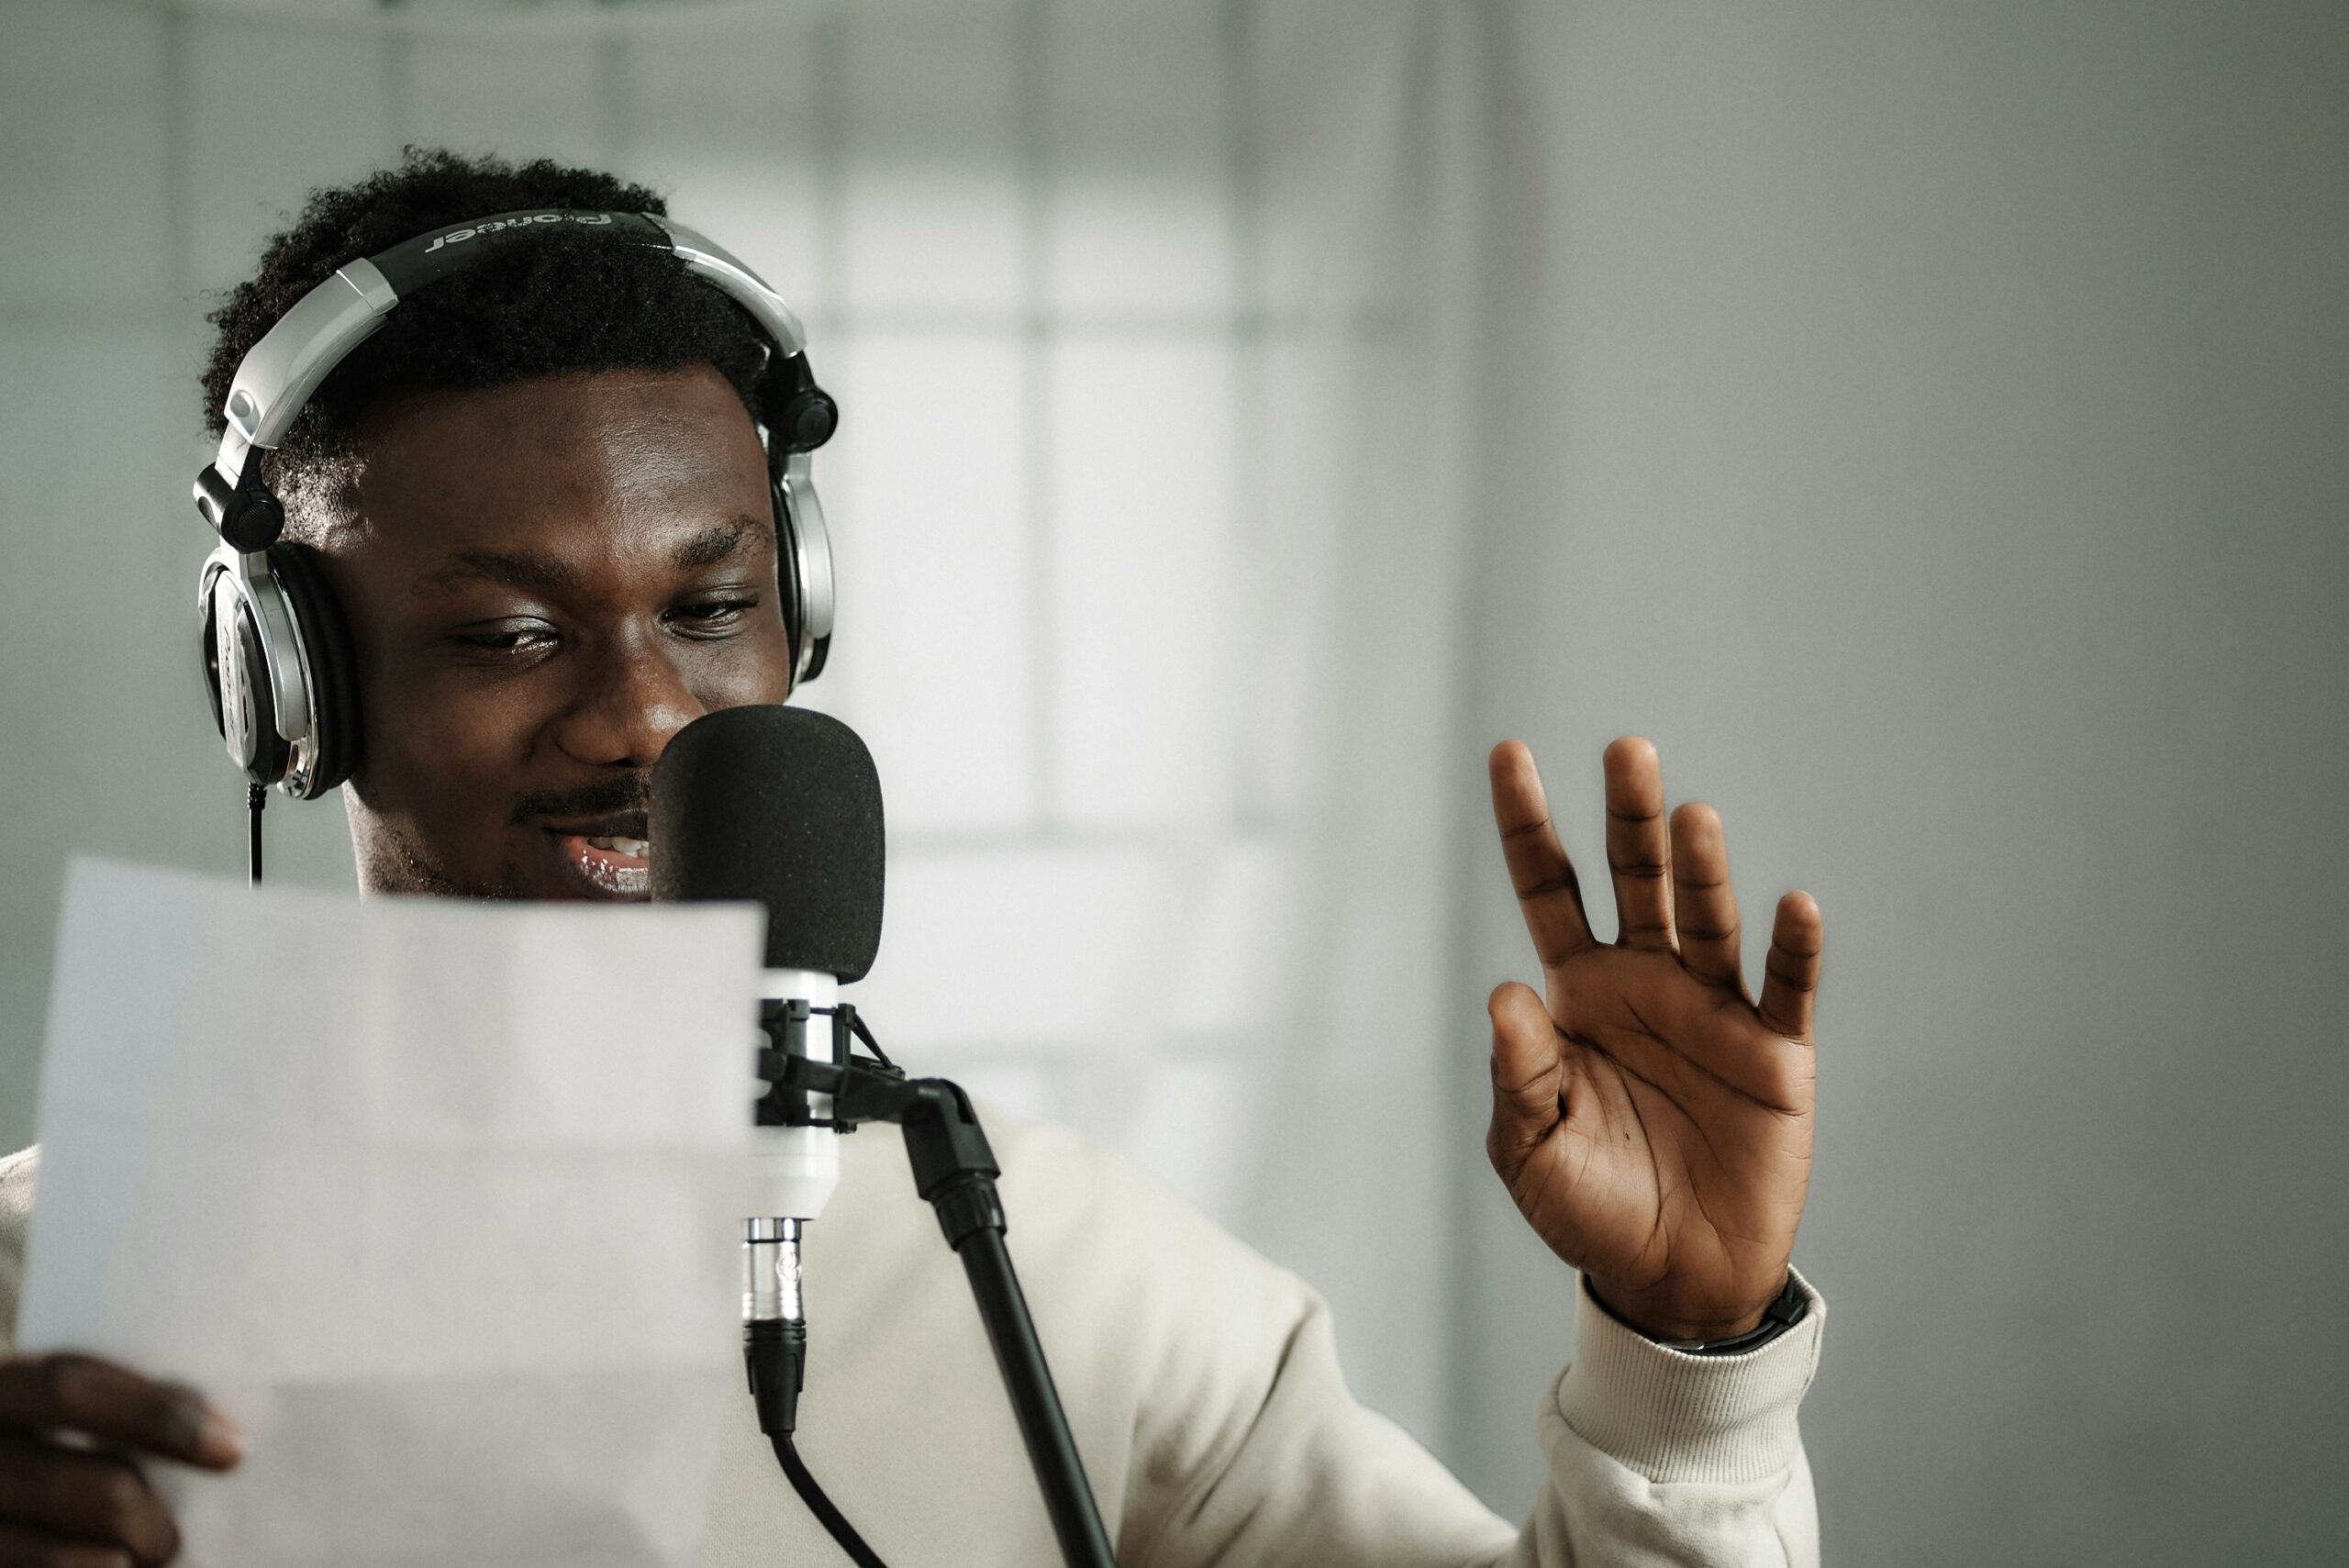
x: 1651, y: 1121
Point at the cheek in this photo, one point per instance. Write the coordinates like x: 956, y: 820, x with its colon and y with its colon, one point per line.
x: 458, y: 726
x: 438, y: 743
x: 754, y: 669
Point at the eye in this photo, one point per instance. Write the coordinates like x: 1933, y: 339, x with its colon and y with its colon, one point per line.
x: 506, y: 639
x: 718, y: 616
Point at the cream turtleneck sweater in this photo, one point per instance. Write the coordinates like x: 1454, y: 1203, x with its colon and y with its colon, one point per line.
x: 1202, y: 1385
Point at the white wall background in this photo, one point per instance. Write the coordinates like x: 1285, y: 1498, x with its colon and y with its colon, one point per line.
x: 1930, y: 428
x: 1924, y: 420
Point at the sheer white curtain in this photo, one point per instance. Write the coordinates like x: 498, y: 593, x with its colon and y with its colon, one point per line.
x: 1152, y: 325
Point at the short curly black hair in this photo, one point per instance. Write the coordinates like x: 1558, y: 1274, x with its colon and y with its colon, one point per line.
x: 570, y: 301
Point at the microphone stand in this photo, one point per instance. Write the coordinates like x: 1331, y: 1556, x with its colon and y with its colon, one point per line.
x: 954, y: 1172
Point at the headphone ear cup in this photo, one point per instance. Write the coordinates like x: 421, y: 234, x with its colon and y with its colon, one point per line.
x: 331, y: 669
x: 256, y: 746
x: 211, y: 629
x: 271, y: 753
x: 793, y: 592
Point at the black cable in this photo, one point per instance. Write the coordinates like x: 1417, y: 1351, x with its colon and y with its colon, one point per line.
x: 831, y: 1519
x: 256, y: 796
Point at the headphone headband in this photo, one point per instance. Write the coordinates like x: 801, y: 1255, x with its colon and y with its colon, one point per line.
x: 278, y: 375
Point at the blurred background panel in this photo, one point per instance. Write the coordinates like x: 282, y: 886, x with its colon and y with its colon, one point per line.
x: 1924, y: 421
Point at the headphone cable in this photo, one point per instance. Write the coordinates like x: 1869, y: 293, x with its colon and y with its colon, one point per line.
x: 256, y: 796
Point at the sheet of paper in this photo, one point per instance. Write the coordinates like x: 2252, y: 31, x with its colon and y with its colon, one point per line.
x: 440, y: 1201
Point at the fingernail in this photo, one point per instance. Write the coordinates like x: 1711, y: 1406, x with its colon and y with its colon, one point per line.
x: 210, y: 1438
x: 218, y: 1441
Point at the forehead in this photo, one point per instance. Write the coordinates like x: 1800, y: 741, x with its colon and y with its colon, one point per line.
x: 589, y: 462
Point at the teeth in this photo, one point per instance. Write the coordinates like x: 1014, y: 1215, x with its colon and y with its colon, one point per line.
x: 635, y: 848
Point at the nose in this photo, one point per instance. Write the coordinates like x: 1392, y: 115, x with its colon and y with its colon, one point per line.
x: 632, y: 698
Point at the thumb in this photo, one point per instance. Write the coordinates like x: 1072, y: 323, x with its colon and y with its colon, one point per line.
x: 1528, y: 1078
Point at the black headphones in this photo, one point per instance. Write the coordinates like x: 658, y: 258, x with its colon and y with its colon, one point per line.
x: 277, y: 657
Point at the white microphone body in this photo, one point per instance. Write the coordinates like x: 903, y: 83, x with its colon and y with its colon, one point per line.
x: 795, y: 1169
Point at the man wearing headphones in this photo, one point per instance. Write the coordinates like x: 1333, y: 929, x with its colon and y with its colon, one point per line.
x: 513, y: 484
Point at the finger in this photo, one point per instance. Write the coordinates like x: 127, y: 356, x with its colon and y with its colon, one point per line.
x: 91, y: 1498
x: 1528, y: 1077
x: 1704, y: 906
x: 1791, y: 974
x: 1639, y: 855
x: 21, y: 1547
x: 1548, y: 893
x: 118, y: 1406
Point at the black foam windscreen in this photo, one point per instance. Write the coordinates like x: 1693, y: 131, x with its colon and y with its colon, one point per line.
x: 783, y: 806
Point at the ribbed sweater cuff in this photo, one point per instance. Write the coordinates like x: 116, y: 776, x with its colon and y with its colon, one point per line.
x: 1676, y: 1417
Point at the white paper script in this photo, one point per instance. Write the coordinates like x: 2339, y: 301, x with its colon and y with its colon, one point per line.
x: 438, y: 1201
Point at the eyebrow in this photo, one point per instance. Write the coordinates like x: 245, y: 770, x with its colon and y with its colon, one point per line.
x: 536, y: 571
x: 507, y: 568
x: 710, y: 546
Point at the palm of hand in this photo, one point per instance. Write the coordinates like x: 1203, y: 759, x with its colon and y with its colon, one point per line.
x: 1651, y: 1121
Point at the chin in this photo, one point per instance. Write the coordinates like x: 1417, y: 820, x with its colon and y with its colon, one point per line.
x: 392, y: 861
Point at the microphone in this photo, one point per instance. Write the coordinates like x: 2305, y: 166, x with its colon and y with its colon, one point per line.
x: 781, y: 807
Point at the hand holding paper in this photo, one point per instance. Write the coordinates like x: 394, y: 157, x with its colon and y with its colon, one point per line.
x: 438, y: 1201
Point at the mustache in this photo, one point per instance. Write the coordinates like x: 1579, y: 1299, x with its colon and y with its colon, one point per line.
x: 625, y: 792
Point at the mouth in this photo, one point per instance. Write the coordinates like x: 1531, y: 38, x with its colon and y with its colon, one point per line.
x: 611, y: 855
